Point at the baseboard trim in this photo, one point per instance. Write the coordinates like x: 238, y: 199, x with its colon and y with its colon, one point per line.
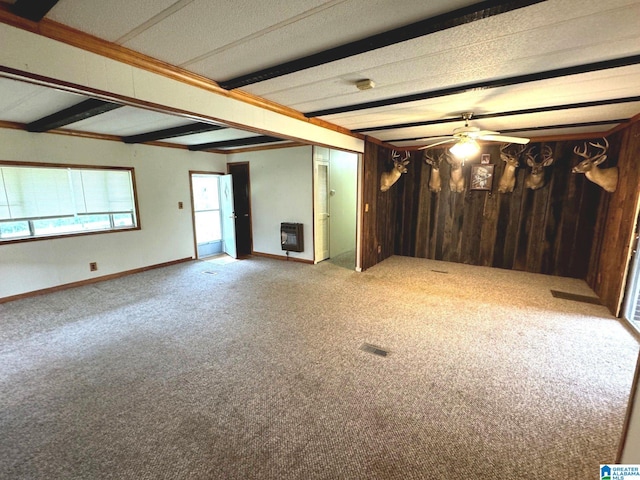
x: 92, y: 280
x: 282, y: 257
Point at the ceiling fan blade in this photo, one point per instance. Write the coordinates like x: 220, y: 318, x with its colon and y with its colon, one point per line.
x: 504, y: 139
x: 441, y: 142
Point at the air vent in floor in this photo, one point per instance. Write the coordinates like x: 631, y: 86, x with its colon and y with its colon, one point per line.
x: 575, y: 297
x: 367, y: 347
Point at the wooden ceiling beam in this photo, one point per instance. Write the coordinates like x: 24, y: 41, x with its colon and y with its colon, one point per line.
x: 240, y: 142
x: 531, y: 129
x: 424, y: 27
x: 526, y: 111
x: 34, y: 10
x: 190, y: 129
x: 75, y: 113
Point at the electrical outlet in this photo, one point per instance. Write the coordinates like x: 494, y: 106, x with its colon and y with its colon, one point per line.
x: 93, y: 266
x: 180, y: 205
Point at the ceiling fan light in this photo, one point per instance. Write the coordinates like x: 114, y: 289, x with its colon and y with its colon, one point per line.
x: 465, y: 148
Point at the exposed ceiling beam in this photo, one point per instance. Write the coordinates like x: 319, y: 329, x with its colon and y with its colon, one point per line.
x: 569, y: 125
x: 438, y: 23
x: 528, y: 129
x: 552, y: 108
x: 240, y: 142
x: 180, y: 131
x: 80, y: 111
x: 34, y: 10
x: 483, y: 85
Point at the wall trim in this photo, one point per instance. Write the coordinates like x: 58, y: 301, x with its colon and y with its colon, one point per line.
x: 89, y: 281
x: 283, y: 257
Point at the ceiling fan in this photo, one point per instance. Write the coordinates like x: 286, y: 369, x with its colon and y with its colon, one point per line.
x: 466, y: 139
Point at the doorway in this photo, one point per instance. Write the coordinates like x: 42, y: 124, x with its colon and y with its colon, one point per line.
x: 205, y: 193
x: 631, y: 307
x: 242, y: 206
x: 321, y: 208
x: 335, y: 206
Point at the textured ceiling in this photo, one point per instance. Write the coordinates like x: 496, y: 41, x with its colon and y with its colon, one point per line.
x: 486, y: 66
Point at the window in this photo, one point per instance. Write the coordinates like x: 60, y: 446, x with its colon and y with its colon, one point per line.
x: 206, y: 207
x: 49, y: 201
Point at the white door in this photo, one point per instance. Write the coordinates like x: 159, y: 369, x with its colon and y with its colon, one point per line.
x: 206, y: 214
x: 228, y: 214
x: 321, y: 175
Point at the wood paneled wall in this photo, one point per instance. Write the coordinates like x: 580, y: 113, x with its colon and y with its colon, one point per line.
x: 379, y: 215
x: 548, y: 230
x: 616, y: 220
x: 570, y: 227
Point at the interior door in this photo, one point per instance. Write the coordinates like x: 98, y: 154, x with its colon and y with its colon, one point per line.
x: 242, y: 205
x: 321, y: 200
x: 228, y: 214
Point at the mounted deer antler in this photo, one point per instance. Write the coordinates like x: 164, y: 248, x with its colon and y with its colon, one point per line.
x: 435, y: 183
x: 387, y: 179
x: 508, y: 180
x: 535, y: 179
x: 607, y: 178
x: 456, y: 180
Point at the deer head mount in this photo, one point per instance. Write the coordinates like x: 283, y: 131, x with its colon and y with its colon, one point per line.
x: 435, y: 182
x: 535, y: 178
x: 456, y: 180
x: 607, y: 178
x: 387, y: 179
x: 510, y: 157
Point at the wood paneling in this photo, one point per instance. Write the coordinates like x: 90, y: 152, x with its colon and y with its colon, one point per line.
x: 617, y: 216
x: 379, y: 215
x: 549, y: 230
x: 570, y: 227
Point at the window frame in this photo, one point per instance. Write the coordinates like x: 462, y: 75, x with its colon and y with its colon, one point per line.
x: 135, y: 215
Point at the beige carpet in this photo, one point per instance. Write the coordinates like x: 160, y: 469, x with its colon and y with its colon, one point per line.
x: 257, y: 372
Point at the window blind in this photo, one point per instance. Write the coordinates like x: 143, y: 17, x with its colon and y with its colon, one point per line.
x: 102, y: 191
x: 36, y: 192
x: 39, y: 192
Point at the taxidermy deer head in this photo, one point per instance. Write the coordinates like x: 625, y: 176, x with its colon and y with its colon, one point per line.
x: 607, y: 178
x: 508, y: 180
x: 387, y: 179
x: 535, y: 178
x: 456, y: 180
x: 435, y: 183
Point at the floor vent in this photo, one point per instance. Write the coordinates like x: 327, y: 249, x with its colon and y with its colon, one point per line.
x: 367, y: 347
x: 439, y: 271
x: 576, y: 298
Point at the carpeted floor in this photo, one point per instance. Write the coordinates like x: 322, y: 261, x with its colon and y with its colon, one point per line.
x: 256, y: 372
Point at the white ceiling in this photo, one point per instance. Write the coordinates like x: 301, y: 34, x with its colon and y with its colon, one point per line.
x: 222, y: 40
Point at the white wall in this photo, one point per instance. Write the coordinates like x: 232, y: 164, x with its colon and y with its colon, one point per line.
x: 281, y: 191
x: 162, y: 180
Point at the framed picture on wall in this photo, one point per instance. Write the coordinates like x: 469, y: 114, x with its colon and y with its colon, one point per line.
x: 481, y: 177
x: 485, y: 158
